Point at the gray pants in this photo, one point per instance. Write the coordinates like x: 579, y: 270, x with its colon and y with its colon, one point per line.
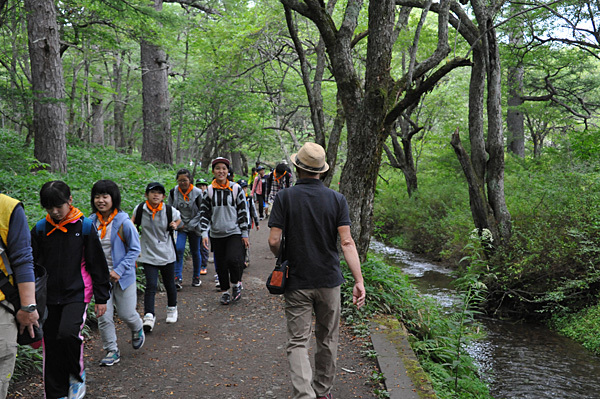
x: 299, y: 307
x: 8, y: 347
x: 125, y: 301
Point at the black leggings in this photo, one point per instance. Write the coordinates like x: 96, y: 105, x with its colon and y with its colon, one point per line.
x: 229, y: 255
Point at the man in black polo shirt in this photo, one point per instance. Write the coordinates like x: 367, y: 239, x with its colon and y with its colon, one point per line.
x: 312, y: 216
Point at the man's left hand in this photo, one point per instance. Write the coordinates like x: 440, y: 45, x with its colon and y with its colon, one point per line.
x: 100, y: 310
x: 27, y: 320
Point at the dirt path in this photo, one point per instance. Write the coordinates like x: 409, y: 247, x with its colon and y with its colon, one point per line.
x: 213, y: 351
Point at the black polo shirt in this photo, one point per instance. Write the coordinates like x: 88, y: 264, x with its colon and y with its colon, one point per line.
x: 309, y: 214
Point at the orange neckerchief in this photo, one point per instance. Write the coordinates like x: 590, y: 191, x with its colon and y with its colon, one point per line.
x: 154, y: 210
x: 225, y: 186
x: 278, y: 178
x: 185, y: 195
x: 103, y: 223
x: 73, y: 215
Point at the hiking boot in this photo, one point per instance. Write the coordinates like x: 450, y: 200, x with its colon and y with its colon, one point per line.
x: 236, y: 292
x: 196, y: 282
x: 138, y: 338
x: 171, y: 314
x: 76, y: 387
x: 111, y: 358
x: 225, y: 298
x: 328, y: 396
x: 203, y: 270
x: 149, y: 320
x: 178, y: 283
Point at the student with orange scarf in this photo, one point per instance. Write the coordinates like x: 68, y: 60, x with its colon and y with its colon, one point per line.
x: 121, y: 245
x: 224, y: 219
x: 158, y: 252
x: 76, y: 269
x: 187, y: 200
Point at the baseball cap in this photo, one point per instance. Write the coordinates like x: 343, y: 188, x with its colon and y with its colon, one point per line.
x: 155, y: 186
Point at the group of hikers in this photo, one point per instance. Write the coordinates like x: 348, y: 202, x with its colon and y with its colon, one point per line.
x: 97, y: 255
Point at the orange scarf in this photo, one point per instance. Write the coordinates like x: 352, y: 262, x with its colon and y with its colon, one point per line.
x: 185, y: 195
x: 73, y: 215
x: 225, y: 186
x: 278, y: 178
x: 154, y: 210
x: 104, y: 224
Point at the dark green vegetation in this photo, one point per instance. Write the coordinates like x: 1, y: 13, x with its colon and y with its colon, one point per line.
x: 550, y: 269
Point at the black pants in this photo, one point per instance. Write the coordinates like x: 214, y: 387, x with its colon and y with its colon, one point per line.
x: 229, y: 255
x: 261, y: 204
x: 63, y: 347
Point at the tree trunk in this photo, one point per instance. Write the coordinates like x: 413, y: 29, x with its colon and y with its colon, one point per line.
x: 515, y: 123
x: 97, y: 117
x: 157, y: 143
x: 47, y: 85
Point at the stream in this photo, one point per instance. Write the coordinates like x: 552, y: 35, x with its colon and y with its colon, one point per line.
x: 517, y: 360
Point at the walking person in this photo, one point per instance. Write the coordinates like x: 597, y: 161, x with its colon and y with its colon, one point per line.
x: 121, y: 245
x: 224, y: 212
x: 311, y: 217
x: 67, y: 244
x: 16, y: 265
x: 277, y: 180
x: 159, y: 223
x: 202, y: 184
x: 259, y: 189
x: 187, y: 200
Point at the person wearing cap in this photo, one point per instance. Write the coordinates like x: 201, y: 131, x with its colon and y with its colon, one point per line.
x: 259, y: 189
x: 158, y: 252
x: 224, y: 211
x: 277, y: 181
x: 252, y: 216
x: 187, y: 199
x: 311, y: 217
x: 202, y: 184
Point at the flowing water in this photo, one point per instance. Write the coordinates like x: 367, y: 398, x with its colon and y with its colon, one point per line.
x: 518, y: 360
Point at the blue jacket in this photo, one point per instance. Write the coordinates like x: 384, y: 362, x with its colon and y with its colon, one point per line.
x: 124, y: 251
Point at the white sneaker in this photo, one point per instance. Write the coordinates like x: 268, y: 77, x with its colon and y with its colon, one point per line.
x: 149, y: 320
x: 171, y: 314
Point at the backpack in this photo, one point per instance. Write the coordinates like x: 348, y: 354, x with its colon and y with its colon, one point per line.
x: 169, y: 209
x: 40, y: 226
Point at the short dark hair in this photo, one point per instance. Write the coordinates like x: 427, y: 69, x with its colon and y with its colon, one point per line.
x: 54, y: 193
x: 106, y: 187
x: 306, y: 173
x: 184, y: 172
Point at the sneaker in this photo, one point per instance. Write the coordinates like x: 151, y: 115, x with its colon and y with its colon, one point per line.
x: 196, y: 282
x: 217, y: 284
x: 149, y: 320
x: 111, y: 358
x: 76, y: 387
x: 178, y: 283
x: 328, y: 396
x: 225, y: 298
x: 236, y: 292
x: 203, y: 270
x: 138, y: 338
x: 171, y: 314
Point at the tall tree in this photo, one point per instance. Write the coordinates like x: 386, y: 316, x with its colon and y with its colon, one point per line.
x: 48, y: 85
x: 371, y: 107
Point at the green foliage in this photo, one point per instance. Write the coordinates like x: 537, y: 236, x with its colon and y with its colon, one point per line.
x: 439, y: 338
x: 583, y: 326
x: 28, y: 360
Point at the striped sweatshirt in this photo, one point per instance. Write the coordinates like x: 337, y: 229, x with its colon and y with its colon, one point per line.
x: 224, y: 212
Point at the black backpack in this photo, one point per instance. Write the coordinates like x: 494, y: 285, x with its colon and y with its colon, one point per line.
x: 169, y: 209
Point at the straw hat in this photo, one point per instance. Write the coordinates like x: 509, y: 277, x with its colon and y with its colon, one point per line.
x: 311, y: 158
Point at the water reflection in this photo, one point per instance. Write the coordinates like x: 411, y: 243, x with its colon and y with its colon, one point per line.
x: 518, y: 360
